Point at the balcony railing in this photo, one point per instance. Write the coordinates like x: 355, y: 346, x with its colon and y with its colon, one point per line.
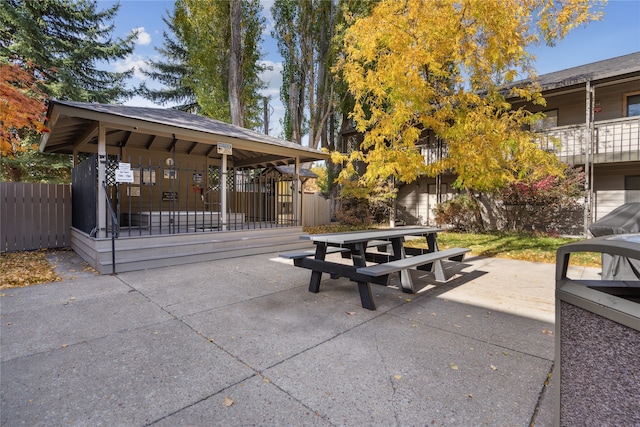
x: 613, y: 141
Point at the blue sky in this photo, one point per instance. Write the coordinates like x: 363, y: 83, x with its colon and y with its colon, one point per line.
x: 618, y: 33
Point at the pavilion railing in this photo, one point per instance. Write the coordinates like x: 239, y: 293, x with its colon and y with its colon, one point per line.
x: 186, y: 198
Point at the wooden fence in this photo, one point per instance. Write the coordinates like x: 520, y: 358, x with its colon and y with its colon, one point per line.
x: 34, y: 216
x: 38, y: 216
x: 316, y: 210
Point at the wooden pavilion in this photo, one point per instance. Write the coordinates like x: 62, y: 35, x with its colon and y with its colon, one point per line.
x: 154, y: 187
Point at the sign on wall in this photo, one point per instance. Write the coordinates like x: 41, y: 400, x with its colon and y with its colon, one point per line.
x: 225, y: 148
x: 124, y: 173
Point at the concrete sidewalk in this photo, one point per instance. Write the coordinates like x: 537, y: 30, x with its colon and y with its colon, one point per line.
x: 242, y: 342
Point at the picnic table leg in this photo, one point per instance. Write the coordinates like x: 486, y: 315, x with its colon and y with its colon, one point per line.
x: 406, y: 282
x: 316, y: 276
x: 437, y: 267
x: 432, y: 243
x: 364, y: 288
x: 438, y: 270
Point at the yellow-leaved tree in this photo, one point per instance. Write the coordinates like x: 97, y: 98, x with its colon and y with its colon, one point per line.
x: 447, y: 67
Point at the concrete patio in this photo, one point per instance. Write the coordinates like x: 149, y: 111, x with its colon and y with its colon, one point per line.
x: 242, y: 342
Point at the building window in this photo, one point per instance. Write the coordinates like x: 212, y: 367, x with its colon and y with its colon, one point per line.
x: 550, y: 121
x: 632, y: 105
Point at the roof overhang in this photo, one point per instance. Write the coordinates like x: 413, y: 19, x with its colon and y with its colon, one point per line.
x: 74, y: 127
x: 602, y: 73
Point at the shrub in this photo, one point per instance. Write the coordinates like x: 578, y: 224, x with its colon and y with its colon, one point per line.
x: 354, y: 212
x: 549, y: 205
x: 460, y: 213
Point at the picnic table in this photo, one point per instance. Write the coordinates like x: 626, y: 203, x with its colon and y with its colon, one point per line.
x: 391, y: 257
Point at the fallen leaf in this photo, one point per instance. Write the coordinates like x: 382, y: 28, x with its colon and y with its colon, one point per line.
x: 25, y: 268
x: 398, y: 377
x: 64, y: 345
x: 493, y: 368
x: 227, y: 401
x: 408, y: 300
x: 547, y: 332
x: 453, y: 366
x: 351, y: 313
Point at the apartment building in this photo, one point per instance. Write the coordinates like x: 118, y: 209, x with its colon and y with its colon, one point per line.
x: 592, y: 120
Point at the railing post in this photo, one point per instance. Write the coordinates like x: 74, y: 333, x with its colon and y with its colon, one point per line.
x: 587, y: 164
x: 115, y: 228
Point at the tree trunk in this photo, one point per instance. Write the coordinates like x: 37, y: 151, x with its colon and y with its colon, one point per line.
x: 235, y: 64
x: 477, y: 211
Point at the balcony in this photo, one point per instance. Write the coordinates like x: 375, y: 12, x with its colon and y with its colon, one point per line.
x: 613, y: 141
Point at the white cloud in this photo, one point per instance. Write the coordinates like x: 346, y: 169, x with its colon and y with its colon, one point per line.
x: 136, y: 62
x: 138, y: 101
x: 266, y: 12
x: 144, y: 38
x: 272, y: 78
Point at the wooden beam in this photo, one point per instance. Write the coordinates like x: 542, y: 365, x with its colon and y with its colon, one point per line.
x: 173, y: 144
x: 126, y: 139
x: 193, y: 147
x: 150, y: 142
x: 260, y: 160
x: 87, y: 136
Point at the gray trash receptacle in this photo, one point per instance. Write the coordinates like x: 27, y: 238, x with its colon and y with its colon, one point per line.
x: 597, y: 369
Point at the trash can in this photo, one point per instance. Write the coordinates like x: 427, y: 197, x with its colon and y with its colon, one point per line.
x: 622, y: 220
x: 597, y: 369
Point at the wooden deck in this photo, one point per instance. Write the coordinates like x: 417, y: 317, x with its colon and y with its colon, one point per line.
x: 138, y: 252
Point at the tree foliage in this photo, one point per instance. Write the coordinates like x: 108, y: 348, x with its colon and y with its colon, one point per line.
x: 447, y: 67
x: 204, y: 30
x: 63, y: 45
x: 173, y: 72
x: 68, y: 42
x: 22, y: 107
x: 309, y: 37
x: 22, y: 114
x: 293, y: 30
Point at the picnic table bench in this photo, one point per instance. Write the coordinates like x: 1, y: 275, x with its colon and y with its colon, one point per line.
x: 354, y: 245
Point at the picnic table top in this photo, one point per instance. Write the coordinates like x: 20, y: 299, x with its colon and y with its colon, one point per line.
x: 367, y: 235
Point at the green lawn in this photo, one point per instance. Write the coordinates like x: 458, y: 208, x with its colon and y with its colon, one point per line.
x: 525, y: 247
x: 535, y: 248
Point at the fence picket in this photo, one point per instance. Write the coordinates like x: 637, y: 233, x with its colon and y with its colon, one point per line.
x: 34, y: 216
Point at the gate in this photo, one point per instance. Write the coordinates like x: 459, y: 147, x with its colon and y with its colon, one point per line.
x: 84, y: 178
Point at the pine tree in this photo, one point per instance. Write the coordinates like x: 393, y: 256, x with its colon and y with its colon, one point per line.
x: 173, y: 73
x: 64, y: 44
x: 196, y: 71
x: 69, y: 41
